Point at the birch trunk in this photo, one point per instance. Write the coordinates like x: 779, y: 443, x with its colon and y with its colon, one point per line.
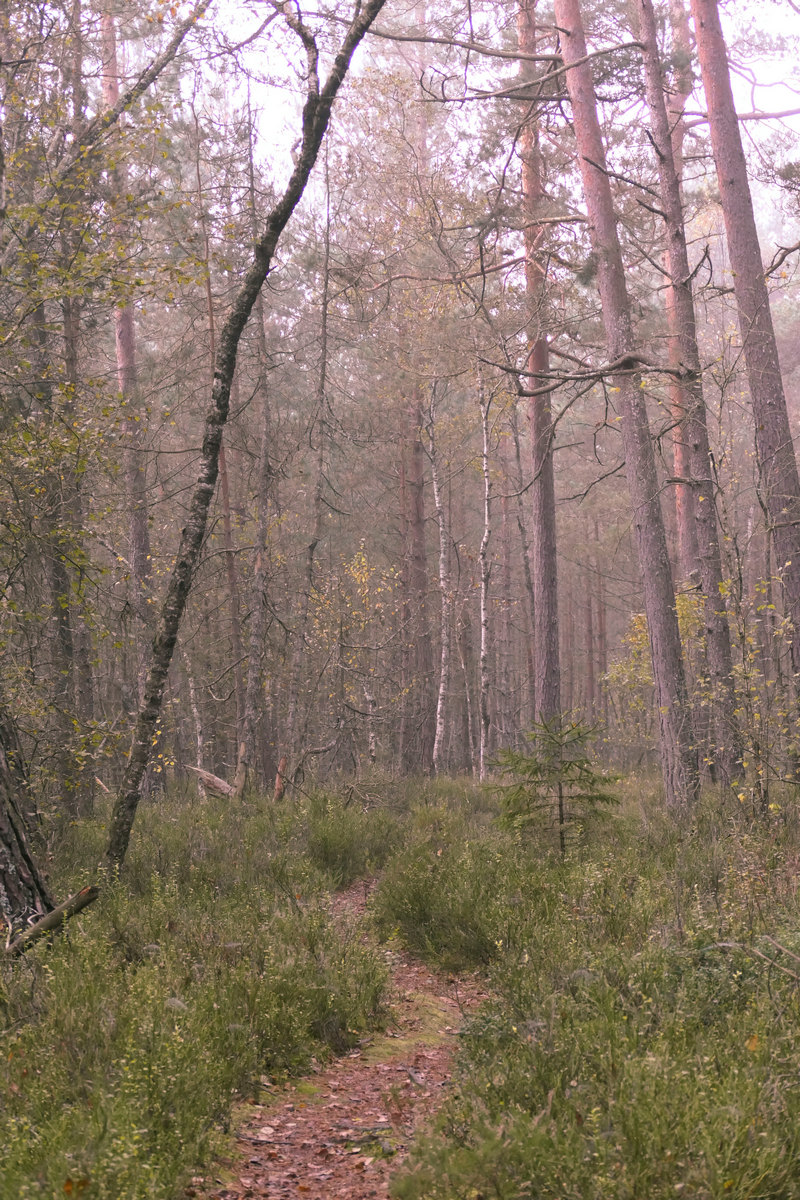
x: 316, y: 114
x: 774, y: 445
x: 683, y: 336
x: 678, y: 754
x: 485, y: 576
x: 224, y: 488
x: 445, y: 590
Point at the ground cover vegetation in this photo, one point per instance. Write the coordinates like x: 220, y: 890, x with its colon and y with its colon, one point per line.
x: 642, y: 1035
x: 640, y: 1039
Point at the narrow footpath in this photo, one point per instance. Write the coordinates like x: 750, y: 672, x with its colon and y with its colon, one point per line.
x: 341, y: 1134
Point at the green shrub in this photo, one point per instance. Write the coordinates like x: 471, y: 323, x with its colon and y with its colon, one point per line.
x: 348, y: 841
x: 127, y: 1039
x: 642, y: 1041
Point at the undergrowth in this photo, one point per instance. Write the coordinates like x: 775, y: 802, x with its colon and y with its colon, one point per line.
x: 641, y: 1040
x: 210, y: 970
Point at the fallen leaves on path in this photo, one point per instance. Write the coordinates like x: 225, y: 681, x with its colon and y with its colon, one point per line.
x: 343, y: 1137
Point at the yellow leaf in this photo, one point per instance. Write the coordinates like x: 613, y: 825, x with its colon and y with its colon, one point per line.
x: 753, y: 1042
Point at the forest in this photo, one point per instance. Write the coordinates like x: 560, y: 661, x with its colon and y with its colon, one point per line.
x: 399, y: 599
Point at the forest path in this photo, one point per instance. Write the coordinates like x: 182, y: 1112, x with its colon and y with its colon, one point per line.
x: 342, y: 1133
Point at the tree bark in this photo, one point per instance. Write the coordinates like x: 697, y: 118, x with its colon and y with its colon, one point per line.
x: 683, y: 336
x: 678, y: 754
x: 24, y: 895
x: 527, y: 572
x: 543, y: 496
x: 258, y: 590
x: 676, y: 98
x: 419, y: 747
x: 774, y: 445
x: 485, y: 574
x: 316, y: 114
x: 128, y: 383
x: 231, y: 574
x: 445, y: 590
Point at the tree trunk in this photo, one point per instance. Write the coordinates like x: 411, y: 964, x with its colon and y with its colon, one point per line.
x: 683, y: 338
x: 24, y: 895
x: 680, y: 400
x: 527, y: 573
x: 420, y: 747
x: 465, y: 651
x: 678, y: 755
x: 590, y: 706
x: 316, y: 114
x: 485, y: 573
x: 774, y: 446
x: 127, y: 377
x: 258, y: 590
x: 543, y: 497
x: 445, y: 589
x: 224, y: 489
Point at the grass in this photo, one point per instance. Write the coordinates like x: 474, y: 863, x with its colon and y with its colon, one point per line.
x: 212, y: 965
x: 642, y: 1040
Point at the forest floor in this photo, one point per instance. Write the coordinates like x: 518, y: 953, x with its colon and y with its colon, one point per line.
x: 342, y: 1133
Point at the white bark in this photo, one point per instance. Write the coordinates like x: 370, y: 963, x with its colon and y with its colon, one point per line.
x: 485, y: 574
x: 445, y: 590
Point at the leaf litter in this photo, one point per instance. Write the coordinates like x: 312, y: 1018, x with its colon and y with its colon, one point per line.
x: 343, y: 1134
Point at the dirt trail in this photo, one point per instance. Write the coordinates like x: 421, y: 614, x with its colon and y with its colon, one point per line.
x: 343, y: 1132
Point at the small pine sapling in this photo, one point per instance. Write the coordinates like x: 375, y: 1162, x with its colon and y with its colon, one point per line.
x: 556, y: 785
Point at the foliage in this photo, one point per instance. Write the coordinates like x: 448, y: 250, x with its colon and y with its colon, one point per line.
x: 346, y: 839
x: 555, y: 786
x: 215, y: 970
x: 642, y: 1041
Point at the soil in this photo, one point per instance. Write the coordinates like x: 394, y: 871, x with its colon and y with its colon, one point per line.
x: 343, y: 1132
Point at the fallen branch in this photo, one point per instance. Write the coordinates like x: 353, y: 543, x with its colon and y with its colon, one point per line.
x: 52, y: 921
x: 213, y: 783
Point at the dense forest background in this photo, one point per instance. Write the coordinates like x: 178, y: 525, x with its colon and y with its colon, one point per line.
x: 382, y: 536
x: 394, y: 398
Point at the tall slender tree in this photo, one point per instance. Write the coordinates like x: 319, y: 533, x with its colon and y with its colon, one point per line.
x: 777, y: 463
x: 686, y: 361
x: 319, y: 99
x: 543, y: 495
x: 678, y: 753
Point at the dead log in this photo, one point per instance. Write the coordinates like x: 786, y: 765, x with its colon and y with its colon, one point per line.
x: 51, y: 921
x: 213, y: 783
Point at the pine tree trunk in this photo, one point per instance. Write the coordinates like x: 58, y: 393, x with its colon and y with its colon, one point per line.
x: 678, y: 755
x: 231, y: 573
x: 680, y: 402
x: 485, y: 575
x: 774, y: 445
x: 246, y: 755
x: 543, y: 499
x: 722, y: 699
x: 527, y: 573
